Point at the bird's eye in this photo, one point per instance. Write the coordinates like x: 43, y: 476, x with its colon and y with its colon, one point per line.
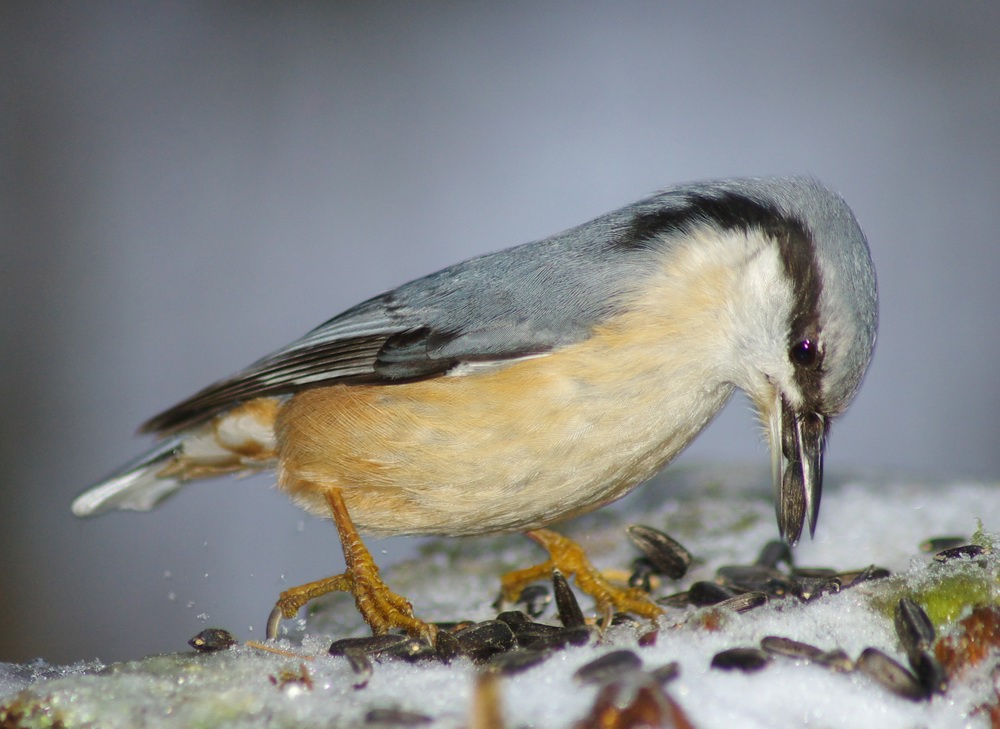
x: 805, y: 353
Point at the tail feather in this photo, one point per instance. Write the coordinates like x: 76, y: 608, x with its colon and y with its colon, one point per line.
x: 238, y: 441
x: 136, y: 486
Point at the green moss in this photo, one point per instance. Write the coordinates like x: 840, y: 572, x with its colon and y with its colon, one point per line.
x: 949, y: 597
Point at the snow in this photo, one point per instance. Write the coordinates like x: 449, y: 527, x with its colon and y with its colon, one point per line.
x: 723, y: 516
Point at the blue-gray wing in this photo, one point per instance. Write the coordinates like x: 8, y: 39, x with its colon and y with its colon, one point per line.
x: 516, y: 302
x: 522, y: 301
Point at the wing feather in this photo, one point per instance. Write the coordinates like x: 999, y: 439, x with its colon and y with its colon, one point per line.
x: 522, y: 301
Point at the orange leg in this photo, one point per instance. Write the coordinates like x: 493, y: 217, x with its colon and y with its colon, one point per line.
x: 381, y: 608
x: 569, y: 558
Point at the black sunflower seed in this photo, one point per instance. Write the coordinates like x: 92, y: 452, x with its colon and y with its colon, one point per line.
x: 447, y: 646
x: 810, y: 588
x: 929, y: 671
x: 836, y: 660
x: 369, y: 644
x: 529, y: 632
x: 741, y: 659
x: 535, y: 598
x: 560, y: 639
x: 666, y: 554
x: 608, y: 667
x: 779, y: 646
x: 703, y: 593
x: 484, y: 640
x: 743, y: 602
x: 913, y: 626
x: 360, y: 665
x: 516, y: 661
x: 755, y: 578
x: 642, y: 573
x: 211, y: 640
x: 890, y: 674
x: 774, y: 553
x: 570, y: 614
x: 970, y: 551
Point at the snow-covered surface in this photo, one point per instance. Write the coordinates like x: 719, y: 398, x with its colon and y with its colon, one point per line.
x: 721, y: 516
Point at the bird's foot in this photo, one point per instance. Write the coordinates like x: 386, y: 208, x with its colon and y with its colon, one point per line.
x: 381, y: 608
x: 569, y: 558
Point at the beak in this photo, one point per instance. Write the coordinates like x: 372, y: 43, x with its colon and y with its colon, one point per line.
x: 797, y: 442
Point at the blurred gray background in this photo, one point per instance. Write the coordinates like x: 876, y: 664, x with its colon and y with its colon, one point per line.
x: 186, y: 187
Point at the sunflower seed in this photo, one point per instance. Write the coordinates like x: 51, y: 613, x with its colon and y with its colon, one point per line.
x: 563, y: 638
x: 810, y: 588
x: 666, y: 554
x: 890, y: 674
x: 360, y: 665
x: 676, y: 600
x: 929, y: 672
x: 608, y: 667
x: 774, y: 553
x: 755, y: 578
x: 211, y: 640
x: 484, y: 640
x: 779, y: 646
x: 447, y: 647
x: 642, y: 572
x: 741, y: 659
x: 410, y: 650
x: 514, y: 619
x: 516, y: 661
x: 703, y: 594
x: 648, y: 638
x: 913, y: 626
x: 369, y: 644
x: 570, y: 614
x: 536, y: 599
x: 966, y: 550
x: 744, y: 602
x: 529, y: 632
x: 836, y: 660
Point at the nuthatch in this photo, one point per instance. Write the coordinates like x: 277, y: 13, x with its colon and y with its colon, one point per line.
x: 531, y: 385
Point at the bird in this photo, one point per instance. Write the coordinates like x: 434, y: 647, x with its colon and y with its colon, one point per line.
x: 524, y: 387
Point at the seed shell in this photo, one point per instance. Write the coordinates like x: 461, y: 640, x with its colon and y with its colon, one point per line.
x: 891, y: 675
x: 703, y: 593
x: 608, y: 667
x: 570, y: 614
x: 743, y: 603
x: 560, y: 639
x: 211, y: 640
x: 666, y: 555
x: 970, y: 551
x: 774, y: 553
x: 516, y: 661
x: 484, y: 640
x: 779, y: 646
x: 741, y: 659
x: 536, y: 599
x: 913, y: 626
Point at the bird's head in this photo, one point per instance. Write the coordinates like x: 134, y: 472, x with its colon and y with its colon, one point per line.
x: 805, y: 330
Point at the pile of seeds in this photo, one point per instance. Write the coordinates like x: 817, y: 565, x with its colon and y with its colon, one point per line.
x: 630, y: 692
